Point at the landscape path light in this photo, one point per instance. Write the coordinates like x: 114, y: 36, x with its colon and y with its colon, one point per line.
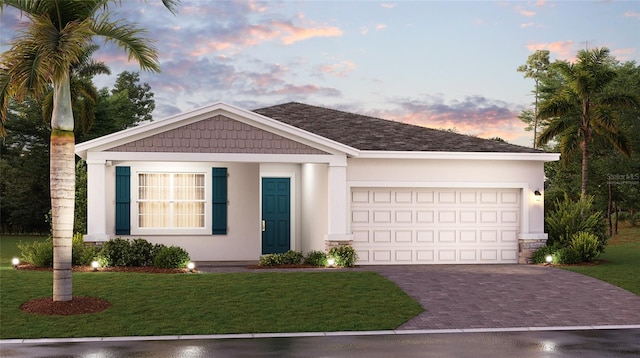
x: 15, y: 262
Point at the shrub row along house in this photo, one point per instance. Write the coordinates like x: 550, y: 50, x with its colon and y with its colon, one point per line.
x: 229, y: 184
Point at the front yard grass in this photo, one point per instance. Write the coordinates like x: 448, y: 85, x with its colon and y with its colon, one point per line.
x: 622, y: 261
x: 189, y: 304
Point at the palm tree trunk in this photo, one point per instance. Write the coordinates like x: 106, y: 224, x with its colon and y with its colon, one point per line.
x: 62, y: 178
x: 585, y: 167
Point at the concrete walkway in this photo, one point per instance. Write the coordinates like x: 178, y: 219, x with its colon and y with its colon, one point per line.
x: 463, y: 297
x: 503, y: 296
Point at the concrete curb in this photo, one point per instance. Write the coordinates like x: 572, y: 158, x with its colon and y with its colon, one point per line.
x: 312, y: 334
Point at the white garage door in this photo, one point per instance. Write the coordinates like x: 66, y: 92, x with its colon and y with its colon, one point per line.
x: 435, y: 226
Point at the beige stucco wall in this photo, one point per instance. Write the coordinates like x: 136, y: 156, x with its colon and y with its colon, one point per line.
x: 314, y: 220
x: 242, y: 241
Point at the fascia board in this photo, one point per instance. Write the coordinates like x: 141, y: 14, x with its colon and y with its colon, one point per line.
x: 543, y: 157
x: 218, y: 108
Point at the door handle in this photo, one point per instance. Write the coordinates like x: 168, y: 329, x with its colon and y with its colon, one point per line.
x: 264, y: 225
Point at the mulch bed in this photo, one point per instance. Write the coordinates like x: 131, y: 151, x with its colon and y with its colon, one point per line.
x: 145, y: 269
x: 77, y: 305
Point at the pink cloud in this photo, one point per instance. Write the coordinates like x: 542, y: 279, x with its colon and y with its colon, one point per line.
x: 632, y: 14
x: 474, y: 115
x: 563, y: 49
x: 341, y: 69
x: 381, y: 26
x: 623, y: 54
x: 297, y: 33
x: 527, y: 13
x: 388, y: 6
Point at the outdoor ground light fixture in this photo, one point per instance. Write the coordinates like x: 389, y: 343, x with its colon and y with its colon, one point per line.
x: 95, y: 265
x: 15, y: 262
x: 191, y: 266
x: 331, y: 261
x: 548, y: 259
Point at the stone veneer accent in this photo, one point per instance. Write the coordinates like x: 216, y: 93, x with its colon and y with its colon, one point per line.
x: 329, y: 244
x: 526, y: 248
x: 218, y: 134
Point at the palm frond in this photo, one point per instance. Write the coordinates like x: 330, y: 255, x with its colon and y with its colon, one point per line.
x: 619, y: 141
x: 556, y: 127
x: 569, y: 146
x: 4, y: 98
x: 129, y: 38
x: 172, y: 5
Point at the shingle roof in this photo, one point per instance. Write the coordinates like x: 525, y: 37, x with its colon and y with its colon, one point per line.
x: 370, y: 133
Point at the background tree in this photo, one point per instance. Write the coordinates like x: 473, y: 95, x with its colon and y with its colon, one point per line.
x: 584, y: 103
x: 116, y: 110
x: 24, y: 170
x: 139, y: 95
x: 536, y: 68
x: 42, y: 53
x: 24, y: 162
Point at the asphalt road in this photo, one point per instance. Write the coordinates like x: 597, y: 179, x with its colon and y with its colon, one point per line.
x: 583, y: 344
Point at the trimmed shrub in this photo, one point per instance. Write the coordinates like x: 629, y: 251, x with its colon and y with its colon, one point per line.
x: 37, y: 253
x: 540, y: 255
x: 586, y: 246
x: 571, y: 217
x: 288, y: 258
x: 316, y: 258
x: 88, y: 255
x: 345, y: 256
x: 566, y: 255
x: 270, y: 260
x: 171, y: 257
x: 292, y: 257
x: 115, y: 252
x: 141, y: 253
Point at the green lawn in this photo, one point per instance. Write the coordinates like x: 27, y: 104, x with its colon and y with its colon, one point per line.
x: 622, y: 266
x: 184, y: 304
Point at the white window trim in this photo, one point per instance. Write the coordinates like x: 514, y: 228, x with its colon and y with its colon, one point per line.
x: 135, y: 199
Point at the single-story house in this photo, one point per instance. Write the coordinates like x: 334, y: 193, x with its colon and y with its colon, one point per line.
x: 229, y: 184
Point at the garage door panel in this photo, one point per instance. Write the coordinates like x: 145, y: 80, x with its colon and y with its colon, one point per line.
x: 425, y: 197
x: 360, y: 236
x: 404, y: 236
x: 446, y: 217
x: 422, y: 226
x: 425, y: 216
x: 468, y: 236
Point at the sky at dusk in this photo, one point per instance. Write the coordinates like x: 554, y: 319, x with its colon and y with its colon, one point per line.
x: 440, y: 64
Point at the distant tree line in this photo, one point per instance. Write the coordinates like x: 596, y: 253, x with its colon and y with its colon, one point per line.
x: 24, y: 151
x: 589, y: 112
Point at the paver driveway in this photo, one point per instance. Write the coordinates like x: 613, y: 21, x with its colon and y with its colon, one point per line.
x: 504, y: 296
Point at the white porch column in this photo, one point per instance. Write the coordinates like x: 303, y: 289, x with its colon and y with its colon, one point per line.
x: 96, y: 201
x: 337, y: 193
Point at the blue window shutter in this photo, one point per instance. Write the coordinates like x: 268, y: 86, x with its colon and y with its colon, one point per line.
x: 219, y: 201
x: 123, y: 200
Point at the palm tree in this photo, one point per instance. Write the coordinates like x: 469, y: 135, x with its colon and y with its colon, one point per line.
x: 583, y: 103
x: 84, y: 94
x: 42, y: 54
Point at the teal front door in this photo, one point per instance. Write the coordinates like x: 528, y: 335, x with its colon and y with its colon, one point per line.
x: 276, y: 215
